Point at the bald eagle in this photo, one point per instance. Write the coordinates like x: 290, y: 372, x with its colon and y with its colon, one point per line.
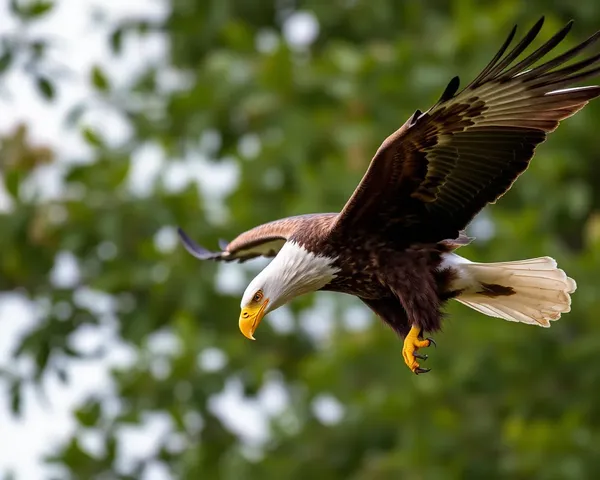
x: 393, y: 243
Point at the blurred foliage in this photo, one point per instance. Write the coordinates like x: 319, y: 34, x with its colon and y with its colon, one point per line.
x: 300, y: 123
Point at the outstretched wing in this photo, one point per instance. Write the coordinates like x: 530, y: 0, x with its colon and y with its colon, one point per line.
x: 433, y: 175
x: 264, y: 240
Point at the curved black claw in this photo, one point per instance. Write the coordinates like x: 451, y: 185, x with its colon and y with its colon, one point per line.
x: 420, y: 370
x: 422, y: 357
x: 431, y: 341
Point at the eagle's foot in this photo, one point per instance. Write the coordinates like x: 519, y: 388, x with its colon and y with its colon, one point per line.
x: 412, y: 343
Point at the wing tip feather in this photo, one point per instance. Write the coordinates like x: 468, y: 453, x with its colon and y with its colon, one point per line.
x: 450, y: 90
x: 196, y: 250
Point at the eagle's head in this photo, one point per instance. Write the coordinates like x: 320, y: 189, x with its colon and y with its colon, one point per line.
x: 293, y: 272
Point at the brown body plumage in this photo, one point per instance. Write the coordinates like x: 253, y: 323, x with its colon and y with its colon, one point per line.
x: 391, y: 244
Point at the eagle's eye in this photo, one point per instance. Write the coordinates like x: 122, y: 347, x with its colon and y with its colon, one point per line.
x: 257, y: 296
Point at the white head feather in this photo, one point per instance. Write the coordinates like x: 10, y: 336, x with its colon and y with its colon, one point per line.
x: 293, y: 272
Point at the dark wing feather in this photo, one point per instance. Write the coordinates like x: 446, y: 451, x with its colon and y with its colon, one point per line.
x: 434, y: 174
x: 264, y: 240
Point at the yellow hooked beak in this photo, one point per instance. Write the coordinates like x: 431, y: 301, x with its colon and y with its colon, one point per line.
x: 251, y: 317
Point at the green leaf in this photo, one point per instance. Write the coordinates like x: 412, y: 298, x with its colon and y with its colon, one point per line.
x: 15, y: 397
x: 99, y: 79
x: 119, y: 171
x: 42, y: 355
x: 12, y: 182
x: 45, y: 87
x: 89, y: 414
x: 30, y: 10
x: 111, y: 448
x: 39, y: 8
x: 91, y: 137
x: 5, y: 61
x: 77, y: 173
x: 116, y: 40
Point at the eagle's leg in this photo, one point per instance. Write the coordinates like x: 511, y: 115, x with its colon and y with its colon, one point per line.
x: 411, y: 276
x: 412, y: 343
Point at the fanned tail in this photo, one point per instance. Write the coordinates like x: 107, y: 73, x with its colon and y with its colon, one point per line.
x: 533, y: 291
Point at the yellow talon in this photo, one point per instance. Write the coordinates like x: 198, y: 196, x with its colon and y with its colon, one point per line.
x: 412, y: 343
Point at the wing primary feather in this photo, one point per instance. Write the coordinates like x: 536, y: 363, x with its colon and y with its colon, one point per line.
x: 450, y: 90
x: 555, y: 62
x: 564, y: 73
x: 414, y: 118
x: 493, y: 61
x: 560, y: 83
x: 515, y: 52
x: 196, y: 250
x: 540, y: 52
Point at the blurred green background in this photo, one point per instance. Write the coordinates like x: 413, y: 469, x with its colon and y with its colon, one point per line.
x: 251, y: 111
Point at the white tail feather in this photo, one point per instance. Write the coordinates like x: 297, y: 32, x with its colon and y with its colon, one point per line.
x: 541, y: 290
